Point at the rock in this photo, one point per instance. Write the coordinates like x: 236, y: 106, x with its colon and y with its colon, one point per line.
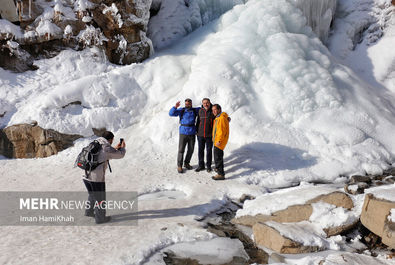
x: 388, y: 237
x: 337, y: 198
x: 246, y: 197
x: 297, y: 213
x: 292, y: 214
x: 256, y: 254
x: 358, y: 178
x: 357, y: 188
x: 374, y: 217
x: 389, y: 172
x: 117, y: 27
x: 15, y: 59
x: 337, y: 230
x: 29, y: 141
x: 267, y: 236
x: 99, y: 132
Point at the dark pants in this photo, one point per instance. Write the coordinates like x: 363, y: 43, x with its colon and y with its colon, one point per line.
x: 205, y: 142
x: 183, y: 142
x: 96, y: 195
x: 219, y: 160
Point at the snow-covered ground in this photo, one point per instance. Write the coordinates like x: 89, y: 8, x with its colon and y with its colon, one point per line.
x: 298, y: 115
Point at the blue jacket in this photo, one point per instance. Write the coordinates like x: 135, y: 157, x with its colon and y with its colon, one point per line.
x: 188, y: 120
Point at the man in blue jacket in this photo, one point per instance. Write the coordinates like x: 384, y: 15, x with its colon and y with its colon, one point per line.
x: 187, y: 132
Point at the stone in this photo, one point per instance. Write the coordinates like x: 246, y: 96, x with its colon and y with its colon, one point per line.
x: 358, y: 178
x: 374, y: 217
x: 266, y: 236
x: 297, y: 213
x: 388, y: 237
x: 337, y: 230
x: 246, y: 197
x: 30, y: 141
x: 117, y: 27
x: 337, y: 198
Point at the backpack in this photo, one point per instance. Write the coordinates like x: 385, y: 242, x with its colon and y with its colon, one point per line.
x: 88, y: 157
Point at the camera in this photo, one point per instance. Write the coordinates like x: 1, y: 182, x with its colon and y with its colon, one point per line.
x: 121, y: 140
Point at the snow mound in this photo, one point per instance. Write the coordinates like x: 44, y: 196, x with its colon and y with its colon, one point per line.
x: 260, y: 61
x: 383, y: 192
x: 177, y: 18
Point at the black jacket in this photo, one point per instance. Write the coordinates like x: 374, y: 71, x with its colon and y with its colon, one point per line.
x: 204, y: 123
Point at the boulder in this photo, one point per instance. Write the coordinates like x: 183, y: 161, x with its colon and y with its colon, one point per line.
x: 337, y: 198
x: 297, y: 213
x: 374, y: 217
x: 30, y: 140
x: 117, y: 27
x: 358, y: 178
x: 269, y: 237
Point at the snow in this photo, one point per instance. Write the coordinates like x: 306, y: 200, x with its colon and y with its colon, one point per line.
x: 269, y: 203
x: 9, y: 29
x: 306, y: 234
x: 319, y: 15
x: 114, y: 12
x: 391, y: 217
x: 328, y: 215
x: 177, y: 18
x: 298, y: 115
x: 363, y: 33
x: 46, y: 27
x: 383, y: 192
x: 214, y: 251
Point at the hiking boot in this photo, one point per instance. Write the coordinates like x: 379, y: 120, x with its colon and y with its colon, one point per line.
x: 90, y: 214
x: 179, y: 169
x: 188, y: 166
x: 106, y: 220
x: 209, y: 169
x: 218, y: 177
x: 199, y: 169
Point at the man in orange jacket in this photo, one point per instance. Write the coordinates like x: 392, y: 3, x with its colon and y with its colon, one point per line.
x: 220, y: 139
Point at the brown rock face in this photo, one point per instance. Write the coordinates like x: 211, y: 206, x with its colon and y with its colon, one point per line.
x: 374, y: 217
x: 297, y: 213
x: 269, y: 237
x: 29, y: 141
x: 117, y: 27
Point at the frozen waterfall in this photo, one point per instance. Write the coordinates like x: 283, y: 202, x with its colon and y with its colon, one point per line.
x: 319, y: 15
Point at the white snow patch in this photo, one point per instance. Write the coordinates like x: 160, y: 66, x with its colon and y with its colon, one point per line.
x: 391, y: 217
x: 214, y: 251
x: 328, y: 215
x: 306, y: 234
x: 386, y: 192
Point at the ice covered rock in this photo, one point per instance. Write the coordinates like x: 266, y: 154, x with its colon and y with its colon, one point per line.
x: 117, y: 27
x: 30, y: 140
x: 293, y: 213
x: 274, y: 235
x: 376, y: 209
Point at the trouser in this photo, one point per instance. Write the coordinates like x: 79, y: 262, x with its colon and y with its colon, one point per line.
x: 205, y: 142
x: 219, y: 160
x: 183, y: 142
x: 96, y: 196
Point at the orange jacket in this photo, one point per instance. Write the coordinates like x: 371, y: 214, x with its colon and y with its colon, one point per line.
x: 221, y: 130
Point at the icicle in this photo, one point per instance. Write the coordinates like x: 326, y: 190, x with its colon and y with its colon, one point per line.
x: 30, y: 8
x: 319, y: 15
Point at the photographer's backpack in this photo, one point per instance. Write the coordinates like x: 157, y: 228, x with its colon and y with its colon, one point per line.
x: 88, y: 157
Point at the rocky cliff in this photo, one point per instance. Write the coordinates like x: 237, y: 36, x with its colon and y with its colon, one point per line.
x: 43, y: 28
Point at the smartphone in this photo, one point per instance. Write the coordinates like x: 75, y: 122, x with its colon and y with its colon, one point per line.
x: 121, y: 140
